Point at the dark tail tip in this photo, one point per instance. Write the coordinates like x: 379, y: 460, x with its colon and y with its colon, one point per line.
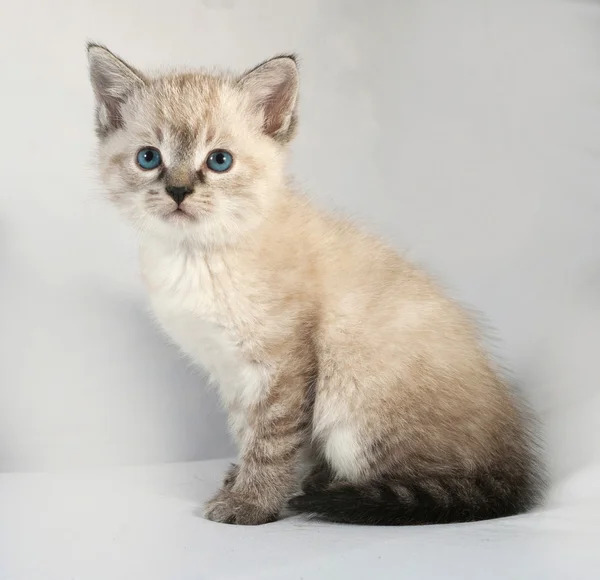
x: 348, y: 506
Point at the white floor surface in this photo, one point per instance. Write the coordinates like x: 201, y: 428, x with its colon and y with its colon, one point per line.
x: 140, y: 524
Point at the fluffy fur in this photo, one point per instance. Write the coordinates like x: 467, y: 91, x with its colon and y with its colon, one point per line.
x: 327, y: 347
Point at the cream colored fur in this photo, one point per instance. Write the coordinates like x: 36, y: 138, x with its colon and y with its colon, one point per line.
x: 320, y: 337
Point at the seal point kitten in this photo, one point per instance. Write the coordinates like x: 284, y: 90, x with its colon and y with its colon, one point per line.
x: 330, y: 351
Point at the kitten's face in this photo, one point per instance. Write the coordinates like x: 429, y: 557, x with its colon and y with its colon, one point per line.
x: 193, y: 155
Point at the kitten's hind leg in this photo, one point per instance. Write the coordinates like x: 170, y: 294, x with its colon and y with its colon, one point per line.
x: 318, y: 478
x: 230, y: 476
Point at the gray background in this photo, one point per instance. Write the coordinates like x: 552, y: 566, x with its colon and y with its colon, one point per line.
x: 465, y: 131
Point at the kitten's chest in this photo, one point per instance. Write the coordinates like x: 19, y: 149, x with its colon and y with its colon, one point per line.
x: 199, y: 304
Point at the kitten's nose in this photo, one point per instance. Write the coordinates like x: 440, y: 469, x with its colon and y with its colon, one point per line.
x: 179, y: 193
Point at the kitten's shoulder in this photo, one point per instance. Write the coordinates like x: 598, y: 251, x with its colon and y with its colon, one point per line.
x: 299, y: 230
x: 298, y: 217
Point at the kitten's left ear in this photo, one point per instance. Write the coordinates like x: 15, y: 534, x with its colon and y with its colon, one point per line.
x: 273, y: 90
x: 113, y: 81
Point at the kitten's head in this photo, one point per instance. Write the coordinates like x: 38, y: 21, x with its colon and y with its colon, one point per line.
x: 193, y: 155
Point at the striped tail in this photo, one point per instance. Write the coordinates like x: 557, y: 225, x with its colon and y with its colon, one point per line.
x: 430, y: 500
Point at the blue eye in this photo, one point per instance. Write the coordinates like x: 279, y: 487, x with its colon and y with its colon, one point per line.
x: 219, y: 160
x: 149, y: 158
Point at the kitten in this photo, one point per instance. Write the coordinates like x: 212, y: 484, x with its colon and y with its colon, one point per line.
x: 326, y: 345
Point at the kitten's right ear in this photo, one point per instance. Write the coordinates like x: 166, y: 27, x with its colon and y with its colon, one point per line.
x: 113, y: 81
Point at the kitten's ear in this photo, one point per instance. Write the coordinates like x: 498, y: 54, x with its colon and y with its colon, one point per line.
x: 113, y: 81
x: 273, y: 90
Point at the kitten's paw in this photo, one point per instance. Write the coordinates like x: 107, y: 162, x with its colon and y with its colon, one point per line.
x: 228, y: 507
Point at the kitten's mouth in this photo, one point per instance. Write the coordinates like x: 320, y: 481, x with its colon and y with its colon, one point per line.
x: 179, y: 214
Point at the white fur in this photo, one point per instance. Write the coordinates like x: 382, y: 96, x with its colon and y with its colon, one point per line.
x: 344, y: 451
x: 338, y: 427
x: 184, y: 292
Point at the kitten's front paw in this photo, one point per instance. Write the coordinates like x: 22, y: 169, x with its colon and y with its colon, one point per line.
x: 228, y: 507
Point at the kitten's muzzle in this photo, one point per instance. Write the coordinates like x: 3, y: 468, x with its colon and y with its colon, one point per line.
x: 179, y: 193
